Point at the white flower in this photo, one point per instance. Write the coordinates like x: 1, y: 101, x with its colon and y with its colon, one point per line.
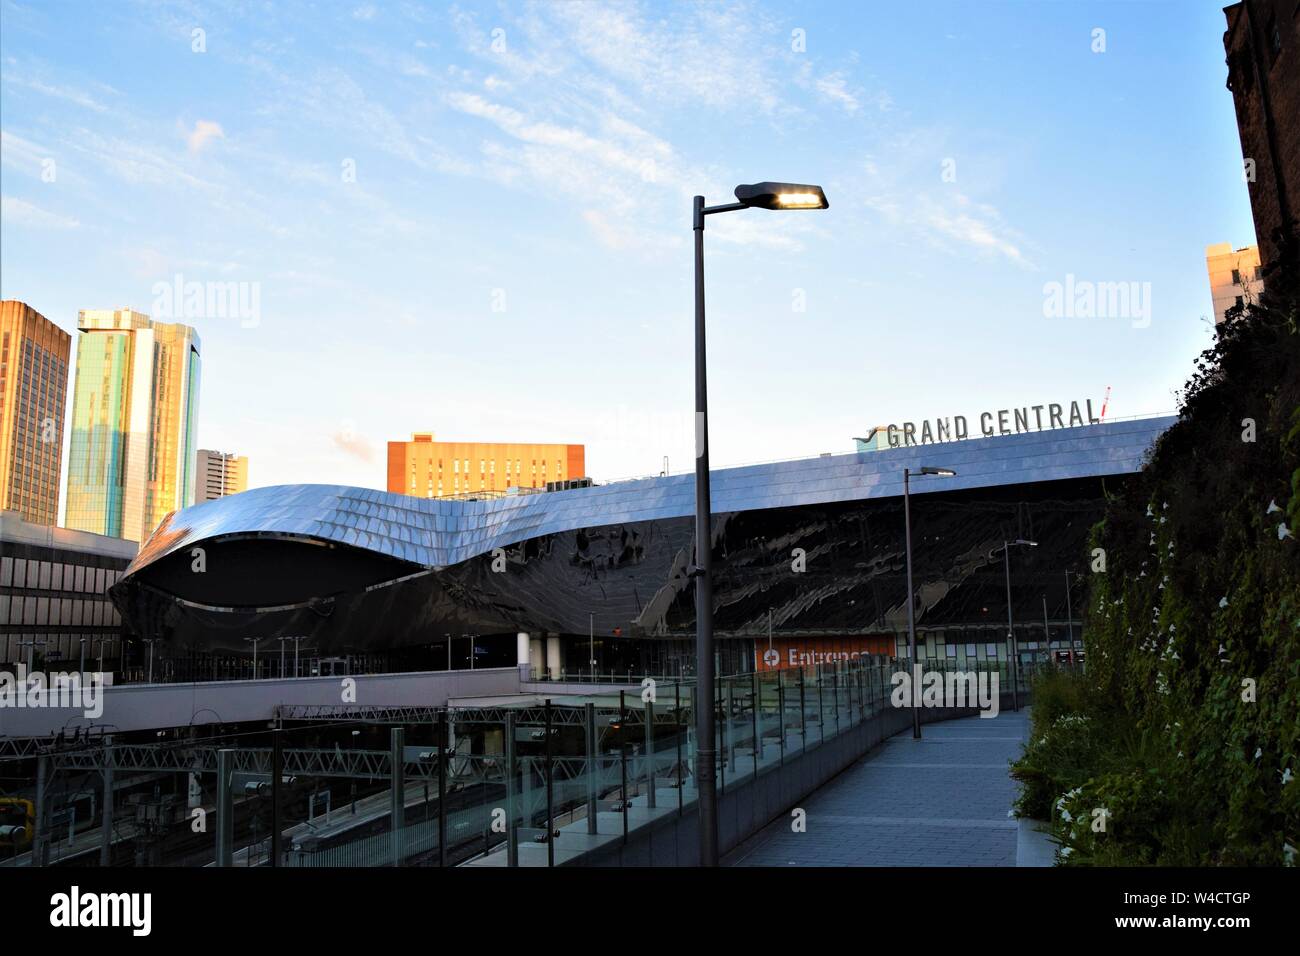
x: 1065, y: 815
x: 1283, y: 532
x: 1272, y: 506
x: 1223, y: 602
x: 1150, y: 513
x: 1258, y: 752
x: 1287, y: 776
x: 1288, y: 854
x: 1066, y: 851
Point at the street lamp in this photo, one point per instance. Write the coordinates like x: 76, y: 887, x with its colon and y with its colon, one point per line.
x: 911, y: 623
x: 1069, y: 616
x: 151, y: 641
x: 759, y: 196
x: 1011, y: 630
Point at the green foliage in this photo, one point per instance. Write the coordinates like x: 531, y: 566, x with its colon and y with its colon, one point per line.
x: 1193, y: 631
x: 1056, y: 691
x: 1060, y: 756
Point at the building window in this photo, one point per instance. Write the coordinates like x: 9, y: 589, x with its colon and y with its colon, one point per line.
x: 1236, y: 277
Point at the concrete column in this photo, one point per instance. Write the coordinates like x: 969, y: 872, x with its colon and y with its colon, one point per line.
x: 39, y: 825
x: 553, y: 657
x: 225, y: 808
x: 397, y: 791
x: 512, y: 798
x: 106, y: 822
x: 537, y: 655
x: 522, y: 655
x: 650, y: 753
x: 593, y: 768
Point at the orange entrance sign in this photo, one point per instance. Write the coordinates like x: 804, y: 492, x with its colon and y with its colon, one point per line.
x: 787, y: 652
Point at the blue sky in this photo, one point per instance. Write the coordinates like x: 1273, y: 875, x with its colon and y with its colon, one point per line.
x: 512, y: 258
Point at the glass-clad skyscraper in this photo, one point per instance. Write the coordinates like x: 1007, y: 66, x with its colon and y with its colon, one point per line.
x: 134, y: 414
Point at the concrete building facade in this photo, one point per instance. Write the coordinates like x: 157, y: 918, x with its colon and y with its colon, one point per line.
x: 1236, y: 277
x: 54, y: 592
x: 219, y: 474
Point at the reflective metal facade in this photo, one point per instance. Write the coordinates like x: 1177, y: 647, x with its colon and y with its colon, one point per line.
x: 362, y: 568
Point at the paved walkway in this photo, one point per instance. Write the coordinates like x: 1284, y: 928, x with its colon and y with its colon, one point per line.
x: 939, y: 801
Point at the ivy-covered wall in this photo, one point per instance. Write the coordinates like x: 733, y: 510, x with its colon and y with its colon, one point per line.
x: 1188, y: 746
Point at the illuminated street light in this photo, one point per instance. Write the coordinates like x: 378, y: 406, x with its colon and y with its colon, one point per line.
x: 783, y: 196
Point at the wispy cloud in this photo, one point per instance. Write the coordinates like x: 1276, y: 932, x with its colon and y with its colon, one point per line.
x: 14, y: 76
x: 834, y: 87
x: 353, y: 445
x: 204, y: 132
x: 977, y: 225
x: 20, y: 212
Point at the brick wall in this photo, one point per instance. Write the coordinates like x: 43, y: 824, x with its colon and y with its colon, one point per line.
x: 1262, y: 43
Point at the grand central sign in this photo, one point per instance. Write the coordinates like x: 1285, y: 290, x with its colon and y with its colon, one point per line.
x: 1004, y: 421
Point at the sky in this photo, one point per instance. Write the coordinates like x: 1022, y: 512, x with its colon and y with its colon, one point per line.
x: 474, y: 218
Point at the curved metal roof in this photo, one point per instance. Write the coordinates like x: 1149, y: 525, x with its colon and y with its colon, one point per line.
x: 437, y: 533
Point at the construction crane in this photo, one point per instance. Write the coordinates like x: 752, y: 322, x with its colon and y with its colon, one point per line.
x: 1104, y: 402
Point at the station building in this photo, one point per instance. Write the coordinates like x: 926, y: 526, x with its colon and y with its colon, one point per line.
x: 809, y: 563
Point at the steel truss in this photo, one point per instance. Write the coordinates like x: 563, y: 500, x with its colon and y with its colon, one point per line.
x: 191, y: 758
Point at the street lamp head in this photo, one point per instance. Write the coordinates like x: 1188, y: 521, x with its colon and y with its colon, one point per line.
x: 1028, y: 544
x: 943, y: 472
x: 782, y: 196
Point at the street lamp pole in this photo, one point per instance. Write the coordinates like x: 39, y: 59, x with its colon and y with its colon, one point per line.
x: 762, y: 196
x: 1069, y: 616
x: 1011, y: 629
x: 911, y: 600
x: 705, y: 754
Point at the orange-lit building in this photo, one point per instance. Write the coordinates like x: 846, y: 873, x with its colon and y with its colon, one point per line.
x: 34, y: 356
x: 441, y: 469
